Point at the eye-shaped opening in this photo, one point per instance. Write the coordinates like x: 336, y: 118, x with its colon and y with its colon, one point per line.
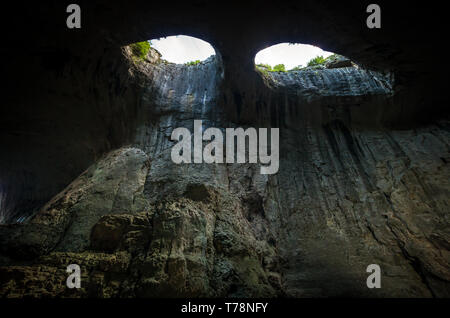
x: 290, y: 56
x: 314, y: 72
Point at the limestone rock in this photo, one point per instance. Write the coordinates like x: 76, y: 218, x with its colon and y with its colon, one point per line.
x: 338, y: 61
x: 351, y: 191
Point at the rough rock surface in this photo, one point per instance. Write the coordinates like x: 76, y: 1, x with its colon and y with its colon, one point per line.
x: 338, y: 61
x: 349, y: 193
x: 74, y: 120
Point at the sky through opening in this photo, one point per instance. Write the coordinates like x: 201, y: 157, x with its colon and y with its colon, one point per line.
x: 291, y: 55
x: 181, y: 49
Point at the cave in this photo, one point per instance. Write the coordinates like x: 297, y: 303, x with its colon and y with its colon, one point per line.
x: 86, y: 175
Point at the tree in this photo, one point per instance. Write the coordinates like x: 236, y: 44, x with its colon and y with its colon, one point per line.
x: 279, y: 68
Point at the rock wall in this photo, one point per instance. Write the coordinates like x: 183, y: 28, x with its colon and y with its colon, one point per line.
x: 349, y: 192
x: 63, y: 111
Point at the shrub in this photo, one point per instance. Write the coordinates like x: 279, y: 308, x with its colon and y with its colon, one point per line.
x: 263, y: 69
x: 140, y: 49
x: 298, y: 68
x: 279, y: 68
x: 318, y: 60
x: 266, y: 67
x: 332, y: 57
x: 193, y: 62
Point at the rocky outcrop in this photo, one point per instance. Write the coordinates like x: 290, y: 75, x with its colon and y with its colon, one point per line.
x: 73, y: 121
x: 199, y: 244
x: 338, y: 61
x: 312, y: 84
x: 138, y: 225
x: 355, y: 198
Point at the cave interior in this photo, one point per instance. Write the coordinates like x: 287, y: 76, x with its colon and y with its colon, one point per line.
x: 86, y: 176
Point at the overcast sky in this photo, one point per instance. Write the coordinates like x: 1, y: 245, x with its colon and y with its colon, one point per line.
x: 291, y: 55
x: 181, y: 49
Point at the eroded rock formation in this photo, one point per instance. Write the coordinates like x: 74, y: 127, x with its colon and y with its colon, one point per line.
x: 362, y: 179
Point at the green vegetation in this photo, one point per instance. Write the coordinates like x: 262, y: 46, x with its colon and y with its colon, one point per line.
x: 297, y: 68
x: 279, y: 68
x: 265, y: 68
x: 318, y: 60
x: 314, y: 63
x: 193, y: 62
x: 332, y: 57
x: 140, y: 49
